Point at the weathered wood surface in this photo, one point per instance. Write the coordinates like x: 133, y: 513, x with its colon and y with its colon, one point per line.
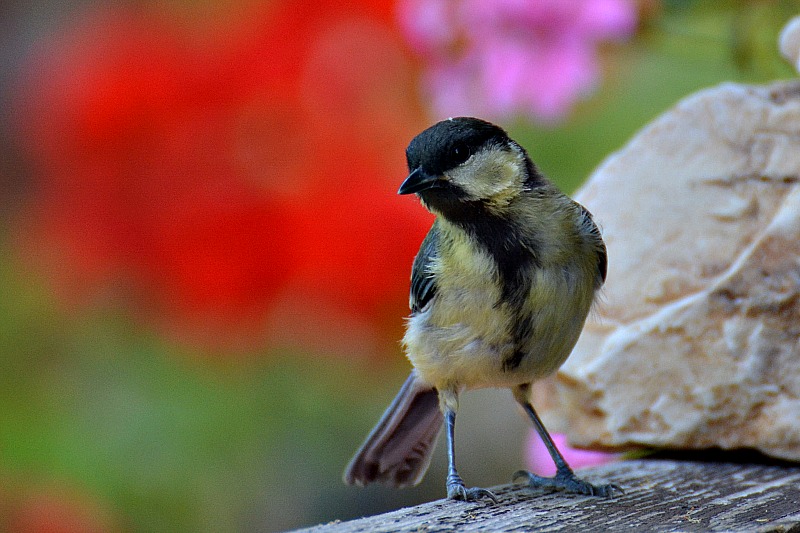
x: 660, y: 495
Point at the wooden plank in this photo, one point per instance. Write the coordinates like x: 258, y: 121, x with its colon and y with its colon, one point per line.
x: 660, y: 495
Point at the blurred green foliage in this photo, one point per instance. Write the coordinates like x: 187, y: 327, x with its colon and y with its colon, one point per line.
x: 177, y: 442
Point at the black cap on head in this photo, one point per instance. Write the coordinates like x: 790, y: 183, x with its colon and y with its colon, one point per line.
x: 448, y: 143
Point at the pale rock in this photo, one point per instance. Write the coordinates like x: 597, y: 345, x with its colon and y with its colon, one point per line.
x: 696, y: 340
x: 789, y: 42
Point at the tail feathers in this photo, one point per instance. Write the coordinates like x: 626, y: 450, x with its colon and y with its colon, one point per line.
x: 399, y: 449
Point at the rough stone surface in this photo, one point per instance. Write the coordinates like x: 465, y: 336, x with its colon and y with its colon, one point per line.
x: 696, y: 342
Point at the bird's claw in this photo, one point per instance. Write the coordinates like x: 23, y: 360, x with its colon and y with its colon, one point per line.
x: 567, y: 481
x: 456, y: 490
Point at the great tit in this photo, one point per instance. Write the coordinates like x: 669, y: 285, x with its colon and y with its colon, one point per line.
x: 500, y: 290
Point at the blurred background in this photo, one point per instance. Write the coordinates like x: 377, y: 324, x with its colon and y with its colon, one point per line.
x: 204, y: 266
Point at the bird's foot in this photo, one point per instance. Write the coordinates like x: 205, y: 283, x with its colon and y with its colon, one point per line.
x: 567, y: 481
x: 456, y: 490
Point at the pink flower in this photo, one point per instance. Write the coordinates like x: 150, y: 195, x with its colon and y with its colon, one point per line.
x: 509, y: 57
x: 539, y: 461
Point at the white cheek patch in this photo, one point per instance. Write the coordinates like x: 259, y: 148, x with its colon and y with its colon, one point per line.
x: 490, y: 174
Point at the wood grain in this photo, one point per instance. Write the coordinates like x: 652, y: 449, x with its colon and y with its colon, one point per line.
x: 660, y: 495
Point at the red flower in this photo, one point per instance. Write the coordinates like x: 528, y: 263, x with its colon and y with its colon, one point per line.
x: 57, y: 511
x: 207, y: 176
x: 362, y: 253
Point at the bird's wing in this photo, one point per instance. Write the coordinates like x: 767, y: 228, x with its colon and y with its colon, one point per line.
x: 594, y: 231
x: 423, y: 281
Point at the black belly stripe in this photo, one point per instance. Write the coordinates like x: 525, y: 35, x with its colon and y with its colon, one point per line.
x: 521, y: 331
x: 501, y: 239
x: 513, y: 362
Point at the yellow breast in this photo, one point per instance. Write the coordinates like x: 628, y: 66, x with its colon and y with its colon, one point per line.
x: 463, y: 337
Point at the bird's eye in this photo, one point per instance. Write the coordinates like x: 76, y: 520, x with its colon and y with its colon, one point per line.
x: 460, y: 153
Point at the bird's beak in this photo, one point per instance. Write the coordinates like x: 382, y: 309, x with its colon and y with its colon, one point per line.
x: 417, y: 181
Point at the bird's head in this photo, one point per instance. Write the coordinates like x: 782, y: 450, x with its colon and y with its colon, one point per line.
x: 462, y: 163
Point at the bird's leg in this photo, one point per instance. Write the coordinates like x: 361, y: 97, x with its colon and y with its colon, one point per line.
x: 456, y: 490
x: 565, y: 479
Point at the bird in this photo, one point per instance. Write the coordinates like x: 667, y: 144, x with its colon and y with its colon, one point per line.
x: 500, y: 290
